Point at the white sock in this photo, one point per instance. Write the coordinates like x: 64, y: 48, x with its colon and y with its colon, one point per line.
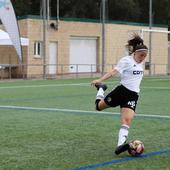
x: 100, y: 94
x: 123, y: 134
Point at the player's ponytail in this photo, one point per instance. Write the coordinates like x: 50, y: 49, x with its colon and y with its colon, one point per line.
x: 136, y: 43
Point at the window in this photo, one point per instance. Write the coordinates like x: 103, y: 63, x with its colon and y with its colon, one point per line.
x: 38, y: 49
x: 147, y: 65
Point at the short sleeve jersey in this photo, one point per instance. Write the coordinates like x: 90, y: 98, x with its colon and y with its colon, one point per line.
x: 131, y: 73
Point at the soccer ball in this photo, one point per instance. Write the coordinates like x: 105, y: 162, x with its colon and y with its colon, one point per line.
x: 136, y: 148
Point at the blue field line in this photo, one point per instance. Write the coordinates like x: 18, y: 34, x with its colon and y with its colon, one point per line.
x: 93, y: 166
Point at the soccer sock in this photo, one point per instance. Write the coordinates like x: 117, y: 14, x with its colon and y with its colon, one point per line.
x: 97, y: 104
x: 100, y: 94
x: 123, y: 134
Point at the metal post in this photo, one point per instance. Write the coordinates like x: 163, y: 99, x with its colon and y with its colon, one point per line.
x: 44, y: 36
x: 168, y: 58
x: 48, y: 12
x: 168, y: 67
x: 58, y: 14
x: 58, y: 10
x: 103, y: 34
x: 150, y: 37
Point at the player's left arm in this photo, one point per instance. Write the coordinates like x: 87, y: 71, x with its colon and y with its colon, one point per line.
x: 106, y: 76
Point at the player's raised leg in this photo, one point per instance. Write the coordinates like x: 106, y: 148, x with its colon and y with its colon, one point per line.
x: 100, y: 104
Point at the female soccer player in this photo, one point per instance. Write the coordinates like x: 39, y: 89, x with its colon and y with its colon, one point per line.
x: 124, y: 95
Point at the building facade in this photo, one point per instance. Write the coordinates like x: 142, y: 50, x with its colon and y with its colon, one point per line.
x: 75, y: 46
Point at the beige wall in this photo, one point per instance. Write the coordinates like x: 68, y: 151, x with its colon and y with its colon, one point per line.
x: 116, y: 38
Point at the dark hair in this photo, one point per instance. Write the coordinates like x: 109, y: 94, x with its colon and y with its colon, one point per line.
x: 135, y: 43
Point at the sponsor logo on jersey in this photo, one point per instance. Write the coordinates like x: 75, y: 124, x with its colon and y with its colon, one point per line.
x: 137, y: 72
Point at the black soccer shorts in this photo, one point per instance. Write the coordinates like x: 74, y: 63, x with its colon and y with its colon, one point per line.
x: 123, y: 97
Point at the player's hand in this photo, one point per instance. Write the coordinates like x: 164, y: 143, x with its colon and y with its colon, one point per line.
x: 96, y: 82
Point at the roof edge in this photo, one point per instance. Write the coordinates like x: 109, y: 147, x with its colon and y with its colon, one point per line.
x: 91, y: 20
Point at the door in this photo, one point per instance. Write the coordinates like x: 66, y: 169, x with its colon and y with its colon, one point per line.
x: 82, y: 54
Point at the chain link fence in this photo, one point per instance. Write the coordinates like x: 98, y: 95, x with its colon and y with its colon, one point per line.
x: 65, y: 71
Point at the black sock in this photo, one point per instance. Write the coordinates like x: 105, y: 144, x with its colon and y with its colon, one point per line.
x: 97, y: 104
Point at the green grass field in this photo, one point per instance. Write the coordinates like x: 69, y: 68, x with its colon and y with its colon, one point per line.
x: 52, y: 125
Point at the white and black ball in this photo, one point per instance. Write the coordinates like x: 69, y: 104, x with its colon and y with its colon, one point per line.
x: 136, y: 148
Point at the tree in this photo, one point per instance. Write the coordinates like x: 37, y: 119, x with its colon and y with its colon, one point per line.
x: 26, y: 7
x: 161, y: 11
x: 125, y: 10
x: 80, y: 9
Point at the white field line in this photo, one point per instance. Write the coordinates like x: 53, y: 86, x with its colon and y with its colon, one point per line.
x: 77, y: 111
x: 152, y: 87
x: 45, y: 85
x: 73, y: 84
x: 157, y: 78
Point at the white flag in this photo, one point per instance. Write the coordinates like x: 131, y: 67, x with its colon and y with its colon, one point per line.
x: 8, y: 19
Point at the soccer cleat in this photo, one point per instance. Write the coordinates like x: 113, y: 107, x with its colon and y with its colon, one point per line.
x: 103, y: 86
x: 122, y: 148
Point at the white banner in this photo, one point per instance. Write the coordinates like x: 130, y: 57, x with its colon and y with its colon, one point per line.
x: 8, y: 19
x: 6, y: 40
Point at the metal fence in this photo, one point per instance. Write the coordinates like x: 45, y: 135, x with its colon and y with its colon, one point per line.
x: 64, y: 71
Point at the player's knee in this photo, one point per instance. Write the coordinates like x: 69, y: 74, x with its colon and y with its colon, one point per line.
x: 127, y: 121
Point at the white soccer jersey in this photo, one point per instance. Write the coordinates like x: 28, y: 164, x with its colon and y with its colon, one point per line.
x: 131, y: 73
